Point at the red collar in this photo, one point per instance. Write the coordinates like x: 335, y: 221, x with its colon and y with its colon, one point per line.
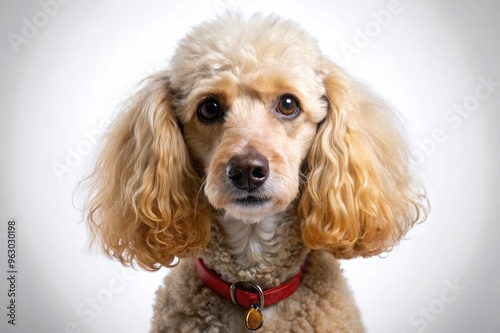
x: 243, y: 297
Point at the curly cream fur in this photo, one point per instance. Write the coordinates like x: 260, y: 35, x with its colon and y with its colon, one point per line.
x: 144, y: 188
x: 339, y: 185
x: 372, y: 198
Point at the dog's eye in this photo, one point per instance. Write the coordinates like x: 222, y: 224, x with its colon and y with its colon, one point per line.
x: 288, y: 106
x: 210, y: 110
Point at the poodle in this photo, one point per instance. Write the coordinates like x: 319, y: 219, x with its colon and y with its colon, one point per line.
x: 251, y: 166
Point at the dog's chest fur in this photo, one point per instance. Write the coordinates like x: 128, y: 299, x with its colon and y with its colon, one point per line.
x: 267, y: 253
x: 251, y: 243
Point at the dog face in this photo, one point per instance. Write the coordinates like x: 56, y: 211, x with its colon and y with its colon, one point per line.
x: 251, y: 114
x: 250, y: 132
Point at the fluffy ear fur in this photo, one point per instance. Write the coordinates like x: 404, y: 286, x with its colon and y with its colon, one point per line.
x: 144, y: 205
x: 360, y: 197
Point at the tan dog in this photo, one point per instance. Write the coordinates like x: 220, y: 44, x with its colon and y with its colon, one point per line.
x: 259, y: 156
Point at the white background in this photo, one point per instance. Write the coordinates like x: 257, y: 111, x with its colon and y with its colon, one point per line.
x: 62, y: 81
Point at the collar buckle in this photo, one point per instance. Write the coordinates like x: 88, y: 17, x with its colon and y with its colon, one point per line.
x: 246, y: 286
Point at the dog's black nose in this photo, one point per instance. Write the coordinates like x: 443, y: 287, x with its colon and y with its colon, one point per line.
x: 248, y: 172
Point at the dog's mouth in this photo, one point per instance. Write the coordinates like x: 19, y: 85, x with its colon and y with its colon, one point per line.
x: 252, y: 207
x: 251, y: 201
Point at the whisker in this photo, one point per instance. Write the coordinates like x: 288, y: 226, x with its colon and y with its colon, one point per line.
x: 302, y: 178
x: 202, y: 186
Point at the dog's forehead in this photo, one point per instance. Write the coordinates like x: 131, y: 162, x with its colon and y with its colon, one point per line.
x: 242, y: 47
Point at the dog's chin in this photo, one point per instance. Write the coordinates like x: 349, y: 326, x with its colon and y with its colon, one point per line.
x: 252, y: 210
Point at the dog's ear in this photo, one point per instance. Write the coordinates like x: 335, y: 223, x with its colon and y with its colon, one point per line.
x: 144, y: 204
x: 360, y: 197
